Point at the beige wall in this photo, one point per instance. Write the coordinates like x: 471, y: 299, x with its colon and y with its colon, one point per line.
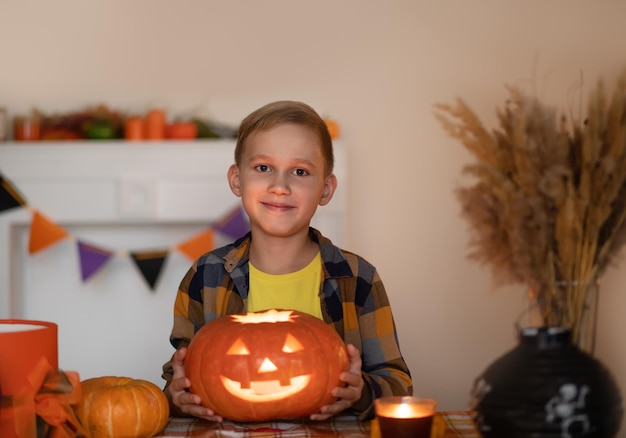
x: 377, y: 67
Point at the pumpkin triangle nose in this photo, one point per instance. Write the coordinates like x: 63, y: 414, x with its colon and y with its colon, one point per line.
x: 267, y: 366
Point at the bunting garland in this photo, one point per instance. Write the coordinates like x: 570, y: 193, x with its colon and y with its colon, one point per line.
x: 45, y: 233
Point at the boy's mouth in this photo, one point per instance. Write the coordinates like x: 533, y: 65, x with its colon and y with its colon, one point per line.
x: 277, y: 206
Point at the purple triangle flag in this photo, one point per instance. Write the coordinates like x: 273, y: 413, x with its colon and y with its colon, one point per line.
x: 92, y: 259
x: 234, y: 225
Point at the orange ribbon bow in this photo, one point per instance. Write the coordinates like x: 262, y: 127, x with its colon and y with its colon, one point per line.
x: 45, y: 409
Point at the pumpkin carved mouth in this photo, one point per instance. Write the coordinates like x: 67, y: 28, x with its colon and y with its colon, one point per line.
x: 266, y: 390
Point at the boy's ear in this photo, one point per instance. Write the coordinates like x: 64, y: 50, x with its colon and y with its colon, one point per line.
x: 330, y: 185
x: 233, y: 180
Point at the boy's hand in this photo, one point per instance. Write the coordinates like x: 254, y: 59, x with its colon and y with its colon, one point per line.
x: 349, y: 394
x: 186, y: 401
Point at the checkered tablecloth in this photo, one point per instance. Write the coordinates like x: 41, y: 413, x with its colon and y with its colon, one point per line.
x: 448, y: 424
x: 457, y: 424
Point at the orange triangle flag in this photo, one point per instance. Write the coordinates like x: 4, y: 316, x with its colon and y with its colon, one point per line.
x: 197, y: 245
x: 43, y: 233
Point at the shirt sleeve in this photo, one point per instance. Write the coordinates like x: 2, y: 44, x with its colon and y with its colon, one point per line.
x: 384, y: 370
x: 188, y: 314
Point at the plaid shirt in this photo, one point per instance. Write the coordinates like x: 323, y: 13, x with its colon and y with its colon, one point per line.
x: 353, y: 299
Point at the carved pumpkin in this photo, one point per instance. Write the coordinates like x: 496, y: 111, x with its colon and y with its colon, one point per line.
x: 122, y: 407
x: 266, y: 365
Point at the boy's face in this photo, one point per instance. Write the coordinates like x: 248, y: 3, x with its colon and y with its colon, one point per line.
x: 281, y: 179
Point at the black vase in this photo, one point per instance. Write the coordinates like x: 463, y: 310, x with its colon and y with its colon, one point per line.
x: 546, y: 387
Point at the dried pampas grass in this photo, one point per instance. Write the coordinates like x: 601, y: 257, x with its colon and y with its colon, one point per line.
x: 548, y: 202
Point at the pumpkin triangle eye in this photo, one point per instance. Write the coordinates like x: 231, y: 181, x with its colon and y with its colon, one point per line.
x: 292, y: 345
x: 238, y: 348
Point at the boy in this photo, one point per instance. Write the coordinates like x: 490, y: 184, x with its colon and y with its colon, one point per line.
x: 282, y: 172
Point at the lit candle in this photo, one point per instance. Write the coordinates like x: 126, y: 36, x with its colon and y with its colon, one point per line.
x: 405, y: 416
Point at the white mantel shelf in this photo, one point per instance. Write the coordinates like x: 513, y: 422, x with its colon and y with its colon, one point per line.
x: 186, y: 157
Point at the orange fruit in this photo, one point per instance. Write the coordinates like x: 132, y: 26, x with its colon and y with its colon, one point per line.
x: 333, y: 128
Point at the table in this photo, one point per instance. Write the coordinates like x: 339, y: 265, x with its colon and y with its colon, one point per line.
x: 450, y: 424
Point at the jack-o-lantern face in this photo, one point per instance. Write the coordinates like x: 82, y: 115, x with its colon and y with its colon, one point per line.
x: 257, y: 366
x: 265, y: 381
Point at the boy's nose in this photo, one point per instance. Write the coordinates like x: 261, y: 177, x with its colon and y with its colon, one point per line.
x: 279, y: 183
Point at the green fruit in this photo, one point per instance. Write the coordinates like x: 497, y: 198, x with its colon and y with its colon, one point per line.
x: 204, y: 129
x: 100, y: 130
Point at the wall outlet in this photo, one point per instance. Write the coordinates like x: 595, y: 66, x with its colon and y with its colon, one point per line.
x: 137, y: 197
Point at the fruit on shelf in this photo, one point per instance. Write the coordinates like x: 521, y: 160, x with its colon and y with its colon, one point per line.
x: 211, y: 129
x: 183, y: 130
x: 155, y: 122
x: 60, y: 134
x: 333, y: 128
x: 134, y: 128
x: 103, y: 123
x: 97, y: 122
x: 100, y: 130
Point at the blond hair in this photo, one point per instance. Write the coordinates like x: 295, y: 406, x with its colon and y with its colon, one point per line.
x: 282, y: 112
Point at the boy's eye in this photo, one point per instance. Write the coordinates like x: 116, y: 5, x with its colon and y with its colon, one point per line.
x: 262, y: 168
x: 300, y: 172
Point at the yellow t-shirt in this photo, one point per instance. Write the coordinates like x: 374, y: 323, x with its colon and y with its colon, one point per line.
x: 296, y: 290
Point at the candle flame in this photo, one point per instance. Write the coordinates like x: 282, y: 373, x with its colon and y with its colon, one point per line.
x: 404, y: 411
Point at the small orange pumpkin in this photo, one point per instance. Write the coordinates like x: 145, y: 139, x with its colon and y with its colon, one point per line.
x: 122, y: 407
x: 266, y: 365
x: 183, y: 130
x: 333, y: 128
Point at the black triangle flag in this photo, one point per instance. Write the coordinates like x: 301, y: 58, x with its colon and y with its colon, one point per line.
x: 150, y: 263
x: 9, y: 196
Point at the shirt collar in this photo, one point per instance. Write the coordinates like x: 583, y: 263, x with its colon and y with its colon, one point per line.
x: 334, y: 263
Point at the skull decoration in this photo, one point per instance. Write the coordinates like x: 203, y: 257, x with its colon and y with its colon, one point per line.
x: 265, y: 365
